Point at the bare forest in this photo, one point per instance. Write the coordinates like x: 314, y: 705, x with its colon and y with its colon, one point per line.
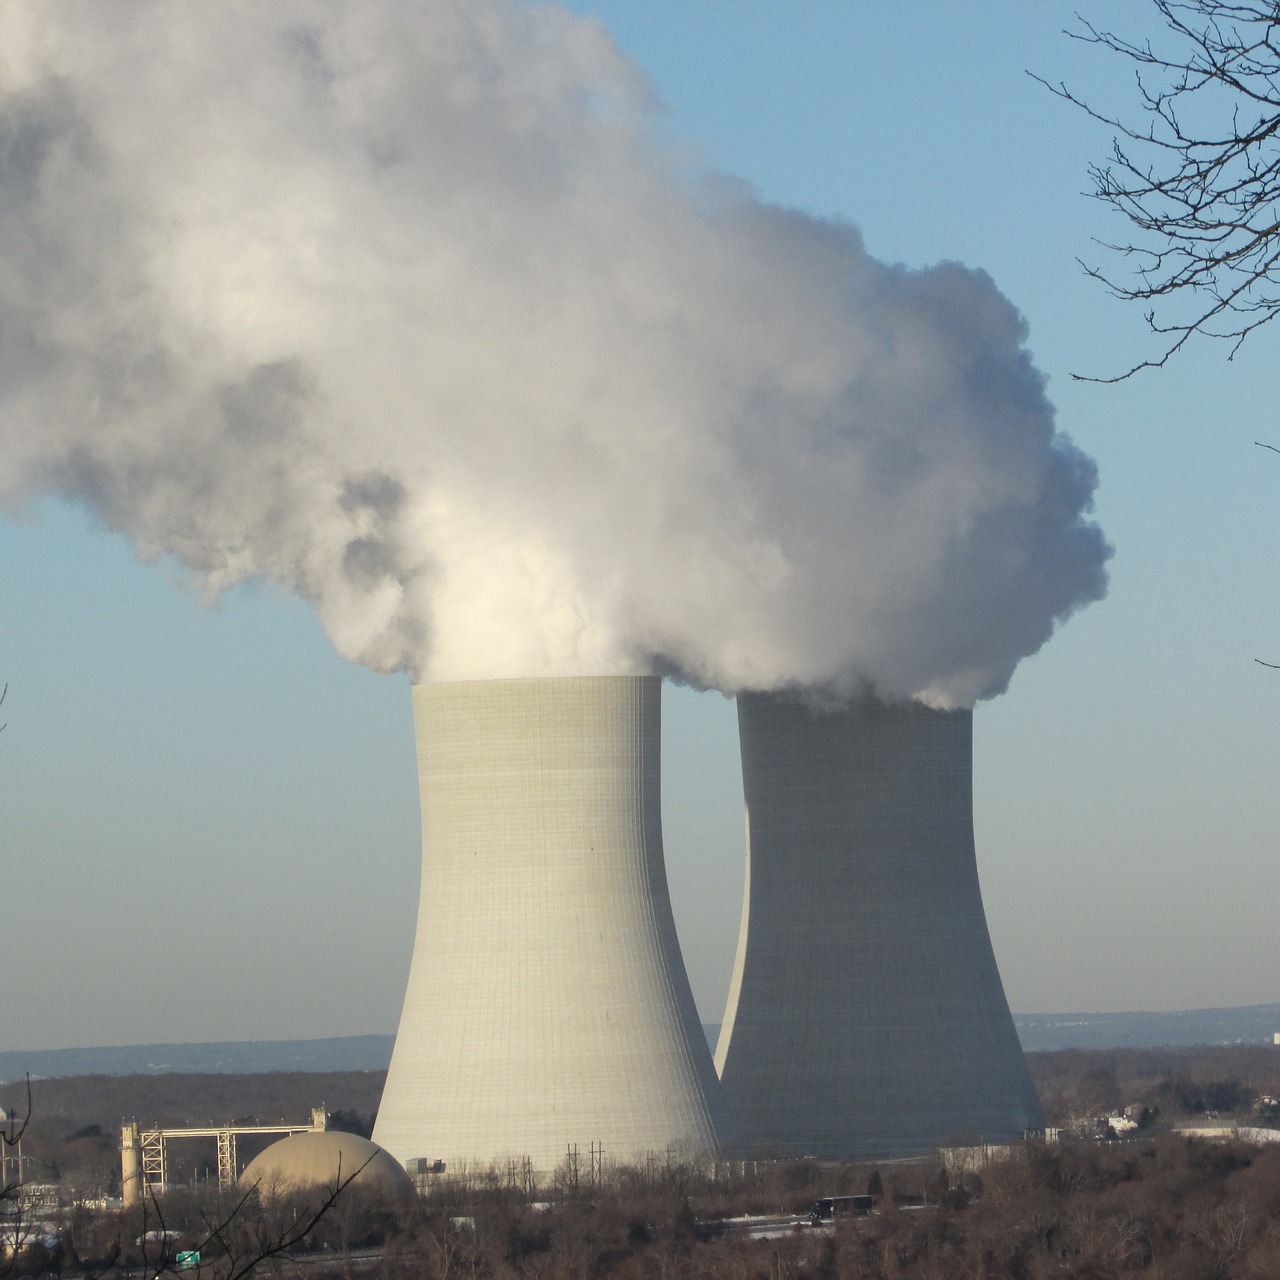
x: 1153, y: 1203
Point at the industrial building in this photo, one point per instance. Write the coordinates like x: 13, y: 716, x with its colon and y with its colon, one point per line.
x: 547, y: 1008
x: 866, y: 1017
x: 144, y: 1153
x: 324, y: 1158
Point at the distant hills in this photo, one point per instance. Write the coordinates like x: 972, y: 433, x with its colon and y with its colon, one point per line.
x: 1250, y: 1024
x: 1247, y: 1024
x: 236, y: 1057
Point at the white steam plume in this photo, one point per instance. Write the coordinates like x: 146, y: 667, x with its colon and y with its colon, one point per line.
x: 403, y: 307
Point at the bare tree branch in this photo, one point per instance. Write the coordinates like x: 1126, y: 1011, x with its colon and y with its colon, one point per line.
x: 1197, y: 175
x: 240, y: 1240
x: 273, y: 1245
x: 11, y: 1131
x: 239, y: 1261
x: 13, y: 1233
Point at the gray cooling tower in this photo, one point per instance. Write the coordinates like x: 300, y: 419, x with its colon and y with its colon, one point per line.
x: 866, y: 1018
x: 547, y: 1002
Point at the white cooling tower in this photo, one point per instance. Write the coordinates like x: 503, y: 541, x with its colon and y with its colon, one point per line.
x: 547, y: 1003
x: 866, y: 1018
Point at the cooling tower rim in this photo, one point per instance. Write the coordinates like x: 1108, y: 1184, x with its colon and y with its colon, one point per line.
x: 535, y: 680
x: 820, y: 701
x: 817, y: 699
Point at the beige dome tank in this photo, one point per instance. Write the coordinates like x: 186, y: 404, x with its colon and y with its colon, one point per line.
x: 320, y: 1159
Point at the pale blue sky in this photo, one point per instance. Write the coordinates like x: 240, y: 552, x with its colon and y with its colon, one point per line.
x: 210, y: 819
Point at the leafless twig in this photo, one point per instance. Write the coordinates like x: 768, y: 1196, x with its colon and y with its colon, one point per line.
x: 240, y: 1261
x: 1198, y: 174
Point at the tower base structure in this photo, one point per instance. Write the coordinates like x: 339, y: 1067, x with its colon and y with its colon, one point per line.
x: 866, y: 1017
x: 547, y: 1008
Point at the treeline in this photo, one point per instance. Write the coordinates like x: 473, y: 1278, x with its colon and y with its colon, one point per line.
x: 1174, y: 1208
x: 74, y: 1132
x: 1173, y: 1084
x: 1171, y: 1207
x: 189, y: 1099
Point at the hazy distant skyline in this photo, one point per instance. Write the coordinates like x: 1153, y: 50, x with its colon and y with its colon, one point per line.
x: 211, y: 818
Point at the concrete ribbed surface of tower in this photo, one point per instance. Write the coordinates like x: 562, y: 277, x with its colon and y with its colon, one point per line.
x: 866, y: 1017
x: 547, y: 1004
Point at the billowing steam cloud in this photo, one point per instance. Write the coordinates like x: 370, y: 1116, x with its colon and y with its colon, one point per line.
x: 404, y: 307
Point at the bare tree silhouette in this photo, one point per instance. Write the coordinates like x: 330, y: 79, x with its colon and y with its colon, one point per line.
x: 1196, y: 172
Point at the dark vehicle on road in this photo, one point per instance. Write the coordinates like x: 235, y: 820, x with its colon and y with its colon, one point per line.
x: 830, y: 1207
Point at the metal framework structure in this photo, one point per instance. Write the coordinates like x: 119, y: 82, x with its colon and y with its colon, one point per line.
x: 153, y: 1145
